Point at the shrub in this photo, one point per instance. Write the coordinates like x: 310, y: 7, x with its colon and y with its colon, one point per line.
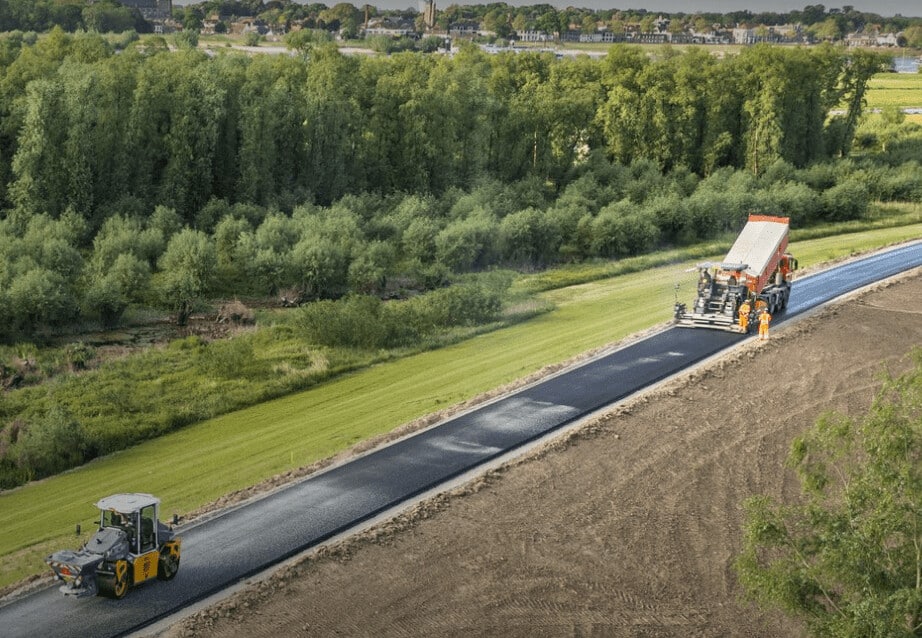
x: 350, y: 322
x: 230, y: 358
x: 50, y: 444
x: 901, y: 184
x: 845, y: 201
x: 185, y: 39
x: 467, y: 244
x: 362, y: 321
x: 468, y: 304
x: 528, y: 237
x: 620, y: 230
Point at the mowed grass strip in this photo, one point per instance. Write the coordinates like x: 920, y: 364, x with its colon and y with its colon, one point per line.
x: 206, y: 461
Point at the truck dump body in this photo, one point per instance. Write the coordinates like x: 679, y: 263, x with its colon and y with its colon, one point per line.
x: 755, y: 275
x: 760, y: 246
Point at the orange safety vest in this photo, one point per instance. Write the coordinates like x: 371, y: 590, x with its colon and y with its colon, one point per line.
x: 764, y: 319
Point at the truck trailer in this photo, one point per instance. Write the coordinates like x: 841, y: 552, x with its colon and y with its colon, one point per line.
x: 757, y: 269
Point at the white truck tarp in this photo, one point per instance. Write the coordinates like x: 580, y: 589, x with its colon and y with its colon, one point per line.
x: 757, y: 244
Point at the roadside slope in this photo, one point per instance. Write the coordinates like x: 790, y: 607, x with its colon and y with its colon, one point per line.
x: 628, y: 527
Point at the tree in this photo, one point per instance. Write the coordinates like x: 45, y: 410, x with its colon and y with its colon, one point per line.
x: 321, y: 267
x: 619, y: 115
x: 913, y: 36
x: 187, y: 268
x: 856, y: 71
x: 271, y: 143
x: 304, y: 40
x: 467, y: 244
x: 104, y: 17
x: 110, y: 292
x: 847, y: 558
x: 528, y: 238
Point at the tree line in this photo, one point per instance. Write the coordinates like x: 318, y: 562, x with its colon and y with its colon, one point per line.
x: 153, y: 177
x: 87, y: 130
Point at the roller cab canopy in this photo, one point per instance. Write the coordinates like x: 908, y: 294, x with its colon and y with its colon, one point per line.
x: 127, y: 503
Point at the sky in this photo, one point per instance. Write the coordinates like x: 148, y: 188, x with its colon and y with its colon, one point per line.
x: 881, y: 7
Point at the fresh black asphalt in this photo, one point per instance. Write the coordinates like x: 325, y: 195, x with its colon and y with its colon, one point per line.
x: 224, y: 550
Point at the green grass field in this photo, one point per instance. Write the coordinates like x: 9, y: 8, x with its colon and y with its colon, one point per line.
x: 201, y: 463
x: 895, y: 89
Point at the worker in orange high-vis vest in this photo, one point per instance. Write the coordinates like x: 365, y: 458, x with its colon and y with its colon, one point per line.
x: 744, y: 317
x: 764, y: 320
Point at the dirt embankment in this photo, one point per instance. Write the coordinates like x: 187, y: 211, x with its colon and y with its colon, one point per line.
x: 627, y: 527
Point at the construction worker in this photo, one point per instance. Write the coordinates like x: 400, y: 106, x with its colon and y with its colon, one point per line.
x: 764, y: 320
x: 745, y: 308
x: 704, y: 281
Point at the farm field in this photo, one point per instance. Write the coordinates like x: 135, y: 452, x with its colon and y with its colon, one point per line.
x: 895, y: 89
x: 901, y: 90
x: 275, y: 439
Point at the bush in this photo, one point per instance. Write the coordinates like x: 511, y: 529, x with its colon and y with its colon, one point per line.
x: 185, y: 39
x: 793, y: 200
x: 351, y: 322
x: 230, y: 358
x: 459, y: 305
x: 901, y: 184
x: 845, y: 201
x: 39, y: 298
x: 528, y: 238
x: 620, y: 231
x: 362, y: 321
x: 53, y: 443
x: 467, y: 244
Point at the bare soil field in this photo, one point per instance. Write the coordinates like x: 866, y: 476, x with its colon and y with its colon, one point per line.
x: 627, y: 526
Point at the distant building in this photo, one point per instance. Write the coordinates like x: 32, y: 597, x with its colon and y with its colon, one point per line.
x: 872, y: 39
x: 390, y: 28
x: 464, y: 29
x: 154, y: 11
x: 530, y: 35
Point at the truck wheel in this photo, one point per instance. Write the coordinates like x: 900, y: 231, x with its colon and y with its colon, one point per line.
x: 169, y: 565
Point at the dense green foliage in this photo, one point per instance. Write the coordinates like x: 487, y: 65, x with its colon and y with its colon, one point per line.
x: 847, y: 559
x: 162, y: 178
x: 42, y: 15
x: 98, y: 133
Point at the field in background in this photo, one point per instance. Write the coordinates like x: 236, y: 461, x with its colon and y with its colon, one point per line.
x: 204, y: 462
x: 895, y: 89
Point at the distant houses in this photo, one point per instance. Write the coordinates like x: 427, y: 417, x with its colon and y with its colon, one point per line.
x: 661, y: 30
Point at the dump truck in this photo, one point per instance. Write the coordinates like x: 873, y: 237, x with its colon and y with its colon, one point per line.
x: 757, y: 269
x: 130, y: 546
